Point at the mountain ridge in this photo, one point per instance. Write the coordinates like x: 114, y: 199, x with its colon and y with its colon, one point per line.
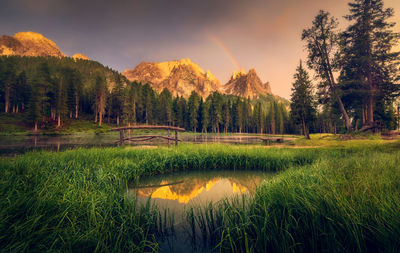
x: 31, y: 44
x: 181, y: 77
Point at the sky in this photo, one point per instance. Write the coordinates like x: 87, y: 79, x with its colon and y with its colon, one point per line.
x: 218, y: 35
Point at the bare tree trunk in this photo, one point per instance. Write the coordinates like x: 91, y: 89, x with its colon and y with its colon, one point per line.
x: 333, y: 86
x: 59, y: 120
x: 76, y: 105
x: 6, y: 98
x: 363, y: 112
x: 76, y: 111
x: 36, y: 126
x: 343, y: 111
x: 305, y: 129
x: 118, y: 120
x: 370, y: 111
x: 100, y: 118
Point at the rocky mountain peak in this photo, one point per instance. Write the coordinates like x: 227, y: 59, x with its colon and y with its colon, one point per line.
x: 180, y: 77
x: 246, y: 85
x: 237, y: 74
x: 28, y: 44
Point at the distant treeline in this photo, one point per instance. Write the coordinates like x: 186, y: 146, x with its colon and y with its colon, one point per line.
x: 48, y: 90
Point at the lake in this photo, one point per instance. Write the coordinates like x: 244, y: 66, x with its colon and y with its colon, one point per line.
x: 22, y: 144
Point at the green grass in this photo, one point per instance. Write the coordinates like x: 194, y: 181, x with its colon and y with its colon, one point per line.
x: 341, y: 203
x: 16, y: 124
x: 348, y: 141
x: 11, y: 124
x: 341, y: 199
x: 76, y: 200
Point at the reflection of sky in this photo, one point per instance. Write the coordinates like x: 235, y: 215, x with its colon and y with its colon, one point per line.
x: 260, y: 34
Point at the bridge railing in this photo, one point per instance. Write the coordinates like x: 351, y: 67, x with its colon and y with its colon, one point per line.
x: 122, y: 137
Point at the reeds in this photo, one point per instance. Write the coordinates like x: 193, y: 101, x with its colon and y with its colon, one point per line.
x: 324, y: 200
x: 338, y: 204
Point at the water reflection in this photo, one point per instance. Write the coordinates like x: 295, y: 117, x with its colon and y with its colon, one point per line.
x: 180, y: 191
x: 176, y: 191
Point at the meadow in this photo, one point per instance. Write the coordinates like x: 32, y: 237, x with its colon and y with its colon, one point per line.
x: 321, y: 199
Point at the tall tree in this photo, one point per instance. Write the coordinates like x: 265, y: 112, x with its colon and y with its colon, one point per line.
x: 193, y: 108
x: 165, y: 107
x: 323, y: 45
x: 100, y: 89
x: 7, y: 80
x: 367, y: 54
x: 74, y: 92
x: 215, y: 111
x: 117, y: 100
x: 34, y: 109
x: 226, y: 115
x: 302, y: 105
x: 258, y: 118
x: 130, y: 102
x: 203, y: 116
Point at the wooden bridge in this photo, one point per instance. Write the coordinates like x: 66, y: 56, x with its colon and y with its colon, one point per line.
x: 122, y: 137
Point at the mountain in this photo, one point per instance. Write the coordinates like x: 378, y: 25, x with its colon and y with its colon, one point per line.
x: 179, y: 77
x: 28, y: 44
x: 246, y: 85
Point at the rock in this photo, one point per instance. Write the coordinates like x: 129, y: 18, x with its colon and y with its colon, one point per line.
x: 246, y: 85
x: 28, y: 44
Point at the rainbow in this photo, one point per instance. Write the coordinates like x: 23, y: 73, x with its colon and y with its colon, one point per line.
x: 226, y: 50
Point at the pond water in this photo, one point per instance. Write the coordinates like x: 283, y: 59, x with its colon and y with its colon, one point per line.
x: 21, y: 144
x: 177, y: 192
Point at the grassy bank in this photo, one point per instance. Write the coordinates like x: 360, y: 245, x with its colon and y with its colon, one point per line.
x: 16, y: 124
x: 76, y: 200
x: 340, y: 203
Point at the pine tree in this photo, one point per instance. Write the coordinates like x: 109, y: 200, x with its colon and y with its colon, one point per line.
x: 8, y: 79
x: 165, y: 107
x: 34, y: 109
x: 202, y: 116
x: 215, y: 111
x: 302, y: 105
x: 117, y: 100
x: 100, y: 90
x: 323, y: 44
x: 130, y: 103
x: 226, y: 115
x: 193, y: 107
x: 368, y: 61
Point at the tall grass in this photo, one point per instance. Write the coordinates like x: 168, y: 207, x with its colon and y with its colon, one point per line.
x: 77, y: 200
x: 337, y: 204
x: 324, y: 200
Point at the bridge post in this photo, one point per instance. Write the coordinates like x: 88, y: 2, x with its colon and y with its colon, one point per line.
x: 168, y: 136
x: 121, y: 137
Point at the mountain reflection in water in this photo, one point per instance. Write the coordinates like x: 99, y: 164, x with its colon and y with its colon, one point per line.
x: 171, y: 191
x: 179, y: 191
